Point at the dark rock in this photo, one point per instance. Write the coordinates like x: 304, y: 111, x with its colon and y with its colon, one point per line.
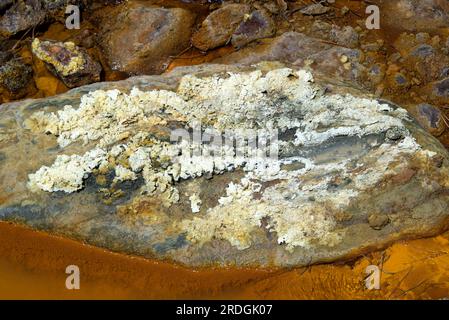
x: 5, y: 4
x: 257, y: 26
x: 23, y: 15
x: 414, y: 15
x: 72, y: 64
x: 345, y: 36
x: 217, y: 29
x: 141, y: 38
x: 15, y: 75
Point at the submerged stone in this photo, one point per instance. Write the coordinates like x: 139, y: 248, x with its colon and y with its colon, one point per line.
x: 351, y: 174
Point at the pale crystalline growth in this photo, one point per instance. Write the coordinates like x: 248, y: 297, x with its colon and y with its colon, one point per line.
x: 139, y: 159
x: 240, y: 100
x: 67, y: 172
x: 195, y: 203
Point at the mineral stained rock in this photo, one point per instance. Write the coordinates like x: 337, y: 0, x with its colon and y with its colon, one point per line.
x: 72, y: 64
x: 315, y: 9
x: 14, y: 73
x: 257, y: 25
x: 304, y: 51
x: 99, y: 164
x: 26, y: 14
x: 217, y: 29
x: 430, y: 118
x: 141, y: 38
x: 415, y: 15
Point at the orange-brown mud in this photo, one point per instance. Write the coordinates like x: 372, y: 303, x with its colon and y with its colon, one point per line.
x: 32, y: 266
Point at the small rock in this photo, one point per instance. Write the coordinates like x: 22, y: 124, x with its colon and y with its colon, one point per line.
x: 5, y: 4
x: 141, y: 38
x: 412, y: 15
x: 217, y: 29
x: 378, y: 222
x: 257, y: 25
x: 315, y: 9
x: 70, y: 63
x: 442, y: 88
x: 430, y: 118
x: 345, y: 10
x: 345, y: 36
x: 23, y: 14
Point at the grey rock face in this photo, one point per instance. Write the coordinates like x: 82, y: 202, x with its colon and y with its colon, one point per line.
x: 352, y: 174
x: 14, y: 73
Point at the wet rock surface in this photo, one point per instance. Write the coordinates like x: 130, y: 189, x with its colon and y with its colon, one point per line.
x: 358, y: 176
x: 15, y: 75
x: 430, y: 118
x: 22, y: 15
x: 217, y: 29
x: 415, y: 15
x: 257, y: 25
x: 304, y: 51
x: 142, y: 37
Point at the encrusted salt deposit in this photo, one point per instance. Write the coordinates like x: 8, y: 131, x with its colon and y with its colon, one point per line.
x: 67, y: 172
x: 195, y: 203
x: 297, y: 207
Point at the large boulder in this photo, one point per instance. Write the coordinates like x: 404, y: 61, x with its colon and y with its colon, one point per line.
x: 141, y: 37
x: 123, y: 166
